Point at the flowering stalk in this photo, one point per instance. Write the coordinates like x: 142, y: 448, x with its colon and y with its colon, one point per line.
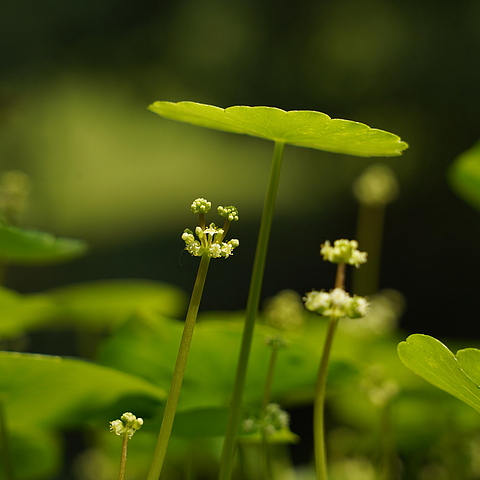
x: 125, y: 428
x: 209, y: 245
x: 333, y: 305
x: 226, y: 463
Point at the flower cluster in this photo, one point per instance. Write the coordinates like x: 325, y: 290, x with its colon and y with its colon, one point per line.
x: 275, y: 419
x: 210, y: 239
x: 230, y: 213
x: 200, y: 205
x: 127, y: 425
x: 343, y: 251
x: 336, y: 303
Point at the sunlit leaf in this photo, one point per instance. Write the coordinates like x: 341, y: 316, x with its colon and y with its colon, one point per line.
x: 464, y: 175
x: 53, y: 392
x: 303, y: 128
x: 458, y: 375
x: 25, y: 247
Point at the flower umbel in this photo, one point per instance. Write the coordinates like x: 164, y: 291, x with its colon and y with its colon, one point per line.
x: 274, y: 420
x: 210, y: 239
x: 336, y: 303
x: 127, y: 425
x: 343, y: 251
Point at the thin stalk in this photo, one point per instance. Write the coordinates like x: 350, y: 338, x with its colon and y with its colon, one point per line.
x: 176, y: 385
x: 320, y: 389
x: 267, y: 393
x: 388, y: 469
x: 370, y: 228
x: 4, y: 446
x: 226, y: 463
x: 123, y: 459
x: 319, y: 405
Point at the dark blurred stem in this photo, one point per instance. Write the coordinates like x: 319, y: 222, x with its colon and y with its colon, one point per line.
x: 267, y: 393
x: 4, y: 445
x: 3, y: 273
x: 226, y: 463
x: 369, y: 237
x: 177, y: 379
x: 389, y: 454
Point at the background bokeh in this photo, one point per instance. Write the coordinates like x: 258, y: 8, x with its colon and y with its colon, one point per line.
x: 75, y: 81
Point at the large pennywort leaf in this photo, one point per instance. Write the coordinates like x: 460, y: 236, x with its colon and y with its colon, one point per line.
x: 303, y: 128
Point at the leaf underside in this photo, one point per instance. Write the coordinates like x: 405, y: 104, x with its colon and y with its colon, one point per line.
x: 303, y: 128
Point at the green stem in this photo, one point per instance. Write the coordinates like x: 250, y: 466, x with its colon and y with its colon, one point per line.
x: 4, y: 445
x: 267, y: 393
x: 123, y: 459
x: 176, y: 385
x: 226, y: 463
x: 387, y: 445
x: 369, y: 236
x: 320, y: 389
x: 319, y: 405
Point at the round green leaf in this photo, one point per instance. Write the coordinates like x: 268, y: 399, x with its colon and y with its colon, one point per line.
x: 434, y: 362
x: 25, y: 247
x: 464, y: 176
x: 52, y: 392
x: 303, y: 128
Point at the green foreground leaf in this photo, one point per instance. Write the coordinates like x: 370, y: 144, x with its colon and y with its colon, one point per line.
x: 303, y: 128
x: 41, y: 391
x: 464, y: 176
x: 459, y: 374
x: 25, y: 247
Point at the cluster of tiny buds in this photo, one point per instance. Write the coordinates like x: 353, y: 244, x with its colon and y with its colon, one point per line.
x: 343, y: 251
x: 210, y: 239
x: 336, y: 303
x: 275, y: 420
x: 200, y: 205
x: 230, y: 213
x: 276, y: 341
x: 127, y: 425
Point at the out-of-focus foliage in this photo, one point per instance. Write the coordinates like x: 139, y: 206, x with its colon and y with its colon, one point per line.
x: 19, y: 246
x: 464, y: 175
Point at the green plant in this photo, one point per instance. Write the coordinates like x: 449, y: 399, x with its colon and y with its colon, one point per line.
x: 140, y: 352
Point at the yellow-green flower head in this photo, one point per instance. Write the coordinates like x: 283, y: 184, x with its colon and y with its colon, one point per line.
x: 209, y: 241
x: 230, y: 213
x: 127, y: 425
x: 343, y: 251
x: 336, y: 303
x: 200, y: 205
